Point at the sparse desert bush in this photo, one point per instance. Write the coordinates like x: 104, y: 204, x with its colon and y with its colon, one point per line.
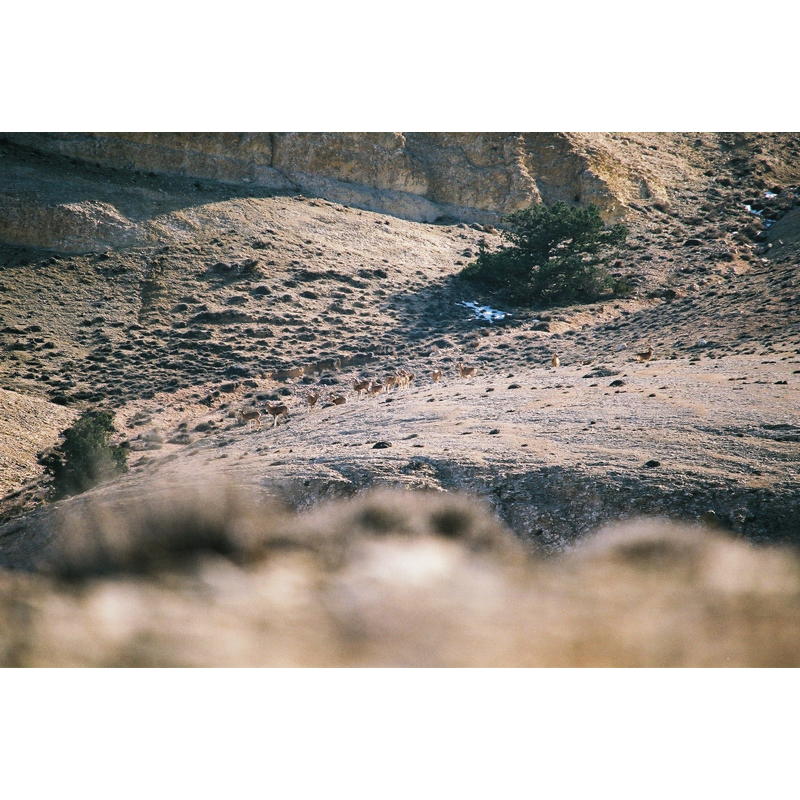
x: 85, y: 457
x: 556, y: 254
x: 182, y: 437
x: 217, y: 577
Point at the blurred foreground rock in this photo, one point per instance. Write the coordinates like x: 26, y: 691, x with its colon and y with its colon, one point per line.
x: 218, y: 578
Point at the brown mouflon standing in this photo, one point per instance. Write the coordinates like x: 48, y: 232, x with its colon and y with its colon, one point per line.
x: 251, y: 416
x: 360, y: 386
x: 277, y: 411
x: 466, y: 372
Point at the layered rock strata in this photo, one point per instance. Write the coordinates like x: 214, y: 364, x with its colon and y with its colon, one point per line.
x: 423, y: 177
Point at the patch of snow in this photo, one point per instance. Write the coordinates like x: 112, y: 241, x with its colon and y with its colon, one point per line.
x: 767, y: 222
x: 485, y: 312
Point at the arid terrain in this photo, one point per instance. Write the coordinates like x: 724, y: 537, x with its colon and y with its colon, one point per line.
x: 177, y: 280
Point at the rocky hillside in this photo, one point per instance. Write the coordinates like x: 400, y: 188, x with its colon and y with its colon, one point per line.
x: 179, y: 279
x: 415, y: 176
x: 422, y: 177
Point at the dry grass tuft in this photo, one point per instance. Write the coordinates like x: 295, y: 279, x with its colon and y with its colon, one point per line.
x: 336, y: 529
x: 164, y: 530
x: 655, y: 593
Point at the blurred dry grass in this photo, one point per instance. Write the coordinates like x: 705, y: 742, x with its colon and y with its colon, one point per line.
x: 207, y: 576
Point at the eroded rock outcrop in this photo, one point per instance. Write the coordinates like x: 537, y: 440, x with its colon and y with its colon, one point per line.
x: 77, y: 227
x: 416, y: 176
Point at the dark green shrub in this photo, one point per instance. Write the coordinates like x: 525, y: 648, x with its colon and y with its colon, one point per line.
x: 85, y: 457
x: 556, y: 254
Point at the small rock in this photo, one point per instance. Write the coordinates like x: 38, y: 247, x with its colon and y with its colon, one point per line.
x: 381, y: 445
x: 618, y: 382
x: 652, y: 463
x: 494, y: 431
x: 692, y: 243
x: 620, y: 347
x: 601, y: 372
x: 514, y: 386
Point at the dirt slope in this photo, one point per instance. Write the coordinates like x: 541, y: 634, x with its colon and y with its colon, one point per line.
x: 229, y: 296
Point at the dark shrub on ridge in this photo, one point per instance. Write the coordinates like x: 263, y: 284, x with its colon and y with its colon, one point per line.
x: 85, y: 458
x: 556, y: 254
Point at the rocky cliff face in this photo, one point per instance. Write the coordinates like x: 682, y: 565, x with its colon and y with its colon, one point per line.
x: 417, y: 176
x: 58, y: 192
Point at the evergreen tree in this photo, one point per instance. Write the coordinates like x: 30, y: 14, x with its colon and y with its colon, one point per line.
x: 556, y: 254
